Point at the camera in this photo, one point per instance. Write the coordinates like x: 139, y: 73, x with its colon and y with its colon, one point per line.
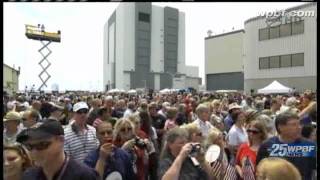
x: 195, y: 149
x: 140, y: 143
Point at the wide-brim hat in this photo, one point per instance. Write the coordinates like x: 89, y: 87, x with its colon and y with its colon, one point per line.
x: 12, y: 116
x: 234, y: 106
x: 55, y: 107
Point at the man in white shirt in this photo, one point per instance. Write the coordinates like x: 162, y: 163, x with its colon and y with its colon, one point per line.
x: 130, y: 110
x: 203, y: 113
x: 163, y: 111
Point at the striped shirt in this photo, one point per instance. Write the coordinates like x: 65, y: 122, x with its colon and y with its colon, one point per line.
x: 77, y: 146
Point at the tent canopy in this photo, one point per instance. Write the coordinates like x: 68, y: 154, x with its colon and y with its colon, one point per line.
x: 274, y: 87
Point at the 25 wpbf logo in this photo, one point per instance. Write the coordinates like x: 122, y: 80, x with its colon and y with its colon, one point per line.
x: 292, y: 150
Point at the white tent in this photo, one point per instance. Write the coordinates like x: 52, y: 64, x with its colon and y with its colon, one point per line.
x: 274, y: 87
x: 165, y: 91
x: 132, y: 91
x: 114, y: 91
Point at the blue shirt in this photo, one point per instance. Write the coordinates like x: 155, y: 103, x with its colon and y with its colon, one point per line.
x: 228, y: 122
x: 305, y: 165
x: 120, y: 161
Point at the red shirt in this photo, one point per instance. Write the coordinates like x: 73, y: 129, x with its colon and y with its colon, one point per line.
x: 243, y: 151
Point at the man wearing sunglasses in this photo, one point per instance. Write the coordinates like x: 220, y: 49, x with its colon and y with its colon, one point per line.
x: 108, y: 160
x: 45, y: 143
x: 80, y: 138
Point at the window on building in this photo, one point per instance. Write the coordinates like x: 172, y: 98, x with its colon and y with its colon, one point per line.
x: 274, y: 62
x: 298, y: 59
x: 274, y: 32
x: 144, y: 17
x: 285, y: 61
x: 264, y: 63
x: 285, y: 30
x: 298, y: 27
x: 263, y: 34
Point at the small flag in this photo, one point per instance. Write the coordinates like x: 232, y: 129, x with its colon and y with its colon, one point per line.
x: 248, y: 170
x: 231, y: 173
x: 216, y: 168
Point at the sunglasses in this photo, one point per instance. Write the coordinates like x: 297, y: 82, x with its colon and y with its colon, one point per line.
x: 125, y: 129
x: 102, y: 133
x: 11, y: 158
x: 24, y: 119
x: 199, y: 134
x: 82, y: 111
x: 39, y: 146
x: 253, y: 131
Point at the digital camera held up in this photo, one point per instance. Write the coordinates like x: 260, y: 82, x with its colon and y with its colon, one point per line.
x: 196, y: 148
x: 140, y: 143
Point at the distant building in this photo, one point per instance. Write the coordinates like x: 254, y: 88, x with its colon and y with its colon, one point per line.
x: 10, y: 79
x: 286, y: 52
x: 144, y: 47
x: 252, y: 58
x: 223, y: 61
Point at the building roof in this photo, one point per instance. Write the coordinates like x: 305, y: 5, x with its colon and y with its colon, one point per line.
x: 289, y: 9
x: 224, y: 34
x: 10, y: 67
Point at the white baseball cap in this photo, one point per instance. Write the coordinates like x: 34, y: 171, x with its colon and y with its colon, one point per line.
x: 80, y: 105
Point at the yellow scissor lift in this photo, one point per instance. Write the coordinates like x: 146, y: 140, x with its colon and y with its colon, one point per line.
x: 38, y: 33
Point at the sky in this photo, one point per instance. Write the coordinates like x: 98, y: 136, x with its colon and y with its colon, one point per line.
x: 76, y: 62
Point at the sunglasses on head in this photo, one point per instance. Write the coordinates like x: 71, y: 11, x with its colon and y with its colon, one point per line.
x: 125, y: 129
x: 253, y: 131
x: 82, y: 111
x: 38, y: 146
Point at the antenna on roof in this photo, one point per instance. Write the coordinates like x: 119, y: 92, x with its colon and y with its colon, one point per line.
x: 209, y: 32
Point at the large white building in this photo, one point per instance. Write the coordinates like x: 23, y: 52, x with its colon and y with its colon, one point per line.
x: 144, y: 47
x: 286, y: 51
x: 223, y: 61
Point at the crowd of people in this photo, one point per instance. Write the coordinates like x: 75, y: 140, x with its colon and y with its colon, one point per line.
x: 154, y: 136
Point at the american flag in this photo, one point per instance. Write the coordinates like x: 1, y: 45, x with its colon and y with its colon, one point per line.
x: 248, y: 170
x: 231, y: 173
x: 216, y: 168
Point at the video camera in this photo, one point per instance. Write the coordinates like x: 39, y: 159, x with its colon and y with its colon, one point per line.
x: 196, y: 148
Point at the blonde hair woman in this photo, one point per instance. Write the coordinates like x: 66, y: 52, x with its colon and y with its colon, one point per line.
x: 194, y: 133
x: 216, y: 137
x: 273, y: 168
x: 257, y: 133
x: 16, y: 161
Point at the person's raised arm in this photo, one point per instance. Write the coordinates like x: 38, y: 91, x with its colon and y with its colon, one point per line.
x: 174, y: 171
x: 105, y: 151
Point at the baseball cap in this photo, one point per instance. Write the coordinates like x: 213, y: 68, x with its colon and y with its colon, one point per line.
x: 12, y: 116
x: 80, y: 105
x: 42, y: 131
